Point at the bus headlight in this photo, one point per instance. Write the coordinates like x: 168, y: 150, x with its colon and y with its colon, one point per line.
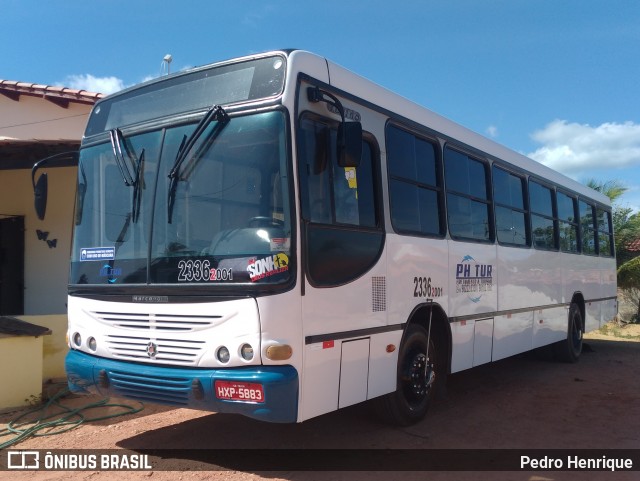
x: 246, y: 351
x: 93, y: 345
x: 77, y: 339
x: 223, y: 355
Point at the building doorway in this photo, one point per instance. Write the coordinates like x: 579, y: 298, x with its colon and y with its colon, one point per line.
x: 12, y: 265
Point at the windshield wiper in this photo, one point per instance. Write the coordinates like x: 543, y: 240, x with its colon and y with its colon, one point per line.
x: 115, y: 135
x: 214, y: 113
x: 116, y: 144
x: 138, y: 181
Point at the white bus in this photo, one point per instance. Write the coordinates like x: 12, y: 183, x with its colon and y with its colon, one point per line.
x: 278, y: 237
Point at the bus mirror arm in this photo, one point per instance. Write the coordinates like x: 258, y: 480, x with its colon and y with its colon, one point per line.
x: 349, y: 133
x: 40, y: 187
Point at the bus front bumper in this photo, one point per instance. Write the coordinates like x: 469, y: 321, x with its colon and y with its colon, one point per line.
x: 188, y: 387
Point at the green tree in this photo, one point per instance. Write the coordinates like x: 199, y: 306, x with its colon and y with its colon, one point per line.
x: 626, y: 229
x: 626, y: 223
x: 629, y: 282
x: 611, y: 188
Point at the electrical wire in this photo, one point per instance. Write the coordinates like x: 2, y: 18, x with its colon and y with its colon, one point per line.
x: 11, y: 126
x: 63, y: 420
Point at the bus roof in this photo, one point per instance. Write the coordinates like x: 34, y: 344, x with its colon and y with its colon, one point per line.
x: 348, y: 81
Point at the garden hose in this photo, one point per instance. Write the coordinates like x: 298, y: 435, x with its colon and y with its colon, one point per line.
x: 64, y: 419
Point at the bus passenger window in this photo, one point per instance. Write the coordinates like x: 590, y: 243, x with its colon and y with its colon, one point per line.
x: 543, y: 225
x: 567, y: 222
x: 331, y: 194
x: 587, y: 228
x: 343, y: 236
x: 415, y: 191
x: 511, y: 216
x: 468, y: 203
x: 605, y: 236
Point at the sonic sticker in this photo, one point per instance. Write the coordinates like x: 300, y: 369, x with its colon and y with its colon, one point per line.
x: 473, y: 278
x: 268, y: 266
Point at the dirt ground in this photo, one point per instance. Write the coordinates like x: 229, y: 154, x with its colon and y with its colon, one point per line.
x: 523, y: 402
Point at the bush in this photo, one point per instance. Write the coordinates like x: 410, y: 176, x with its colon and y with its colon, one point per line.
x: 629, y: 282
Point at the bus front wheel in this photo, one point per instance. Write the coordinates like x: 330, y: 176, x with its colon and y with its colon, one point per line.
x: 416, y: 379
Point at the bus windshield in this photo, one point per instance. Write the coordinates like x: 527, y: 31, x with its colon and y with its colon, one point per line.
x: 229, y: 221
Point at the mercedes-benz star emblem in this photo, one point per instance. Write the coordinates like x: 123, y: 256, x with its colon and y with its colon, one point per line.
x: 152, y: 349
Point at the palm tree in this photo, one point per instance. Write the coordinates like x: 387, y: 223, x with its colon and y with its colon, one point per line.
x: 611, y: 188
x: 627, y: 229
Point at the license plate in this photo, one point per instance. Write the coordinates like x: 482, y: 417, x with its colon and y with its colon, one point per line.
x: 239, y: 391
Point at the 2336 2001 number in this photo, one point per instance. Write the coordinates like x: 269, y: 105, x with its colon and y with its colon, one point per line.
x: 422, y: 287
x: 199, y: 270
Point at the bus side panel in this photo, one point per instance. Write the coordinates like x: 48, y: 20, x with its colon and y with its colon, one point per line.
x: 473, y: 278
x: 462, y: 336
x: 354, y: 372
x: 609, y: 290
x: 512, y: 334
x: 533, y: 280
x: 383, y: 364
x: 549, y: 326
x: 582, y: 275
x: 417, y: 272
x: 593, y: 314
x: 320, y: 380
x: 329, y: 315
x: 473, y: 287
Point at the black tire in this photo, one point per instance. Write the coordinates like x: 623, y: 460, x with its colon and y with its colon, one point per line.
x: 416, y: 380
x: 569, y: 349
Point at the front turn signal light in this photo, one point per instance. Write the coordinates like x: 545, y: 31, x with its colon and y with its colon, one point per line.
x: 279, y: 352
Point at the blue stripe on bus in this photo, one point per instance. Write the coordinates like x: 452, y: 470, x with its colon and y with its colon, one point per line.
x: 186, y: 387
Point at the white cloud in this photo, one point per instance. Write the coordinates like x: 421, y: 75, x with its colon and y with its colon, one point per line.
x: 492, y: 131
x: 572, y: 147
x: 103, y: 85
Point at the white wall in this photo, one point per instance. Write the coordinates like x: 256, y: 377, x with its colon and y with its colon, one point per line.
x: 46, y: 269
x: 36, y: 118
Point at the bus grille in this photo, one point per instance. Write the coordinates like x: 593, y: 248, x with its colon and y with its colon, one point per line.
x: 157, y: 322
x: 162, y: 390
x: 165, y: 351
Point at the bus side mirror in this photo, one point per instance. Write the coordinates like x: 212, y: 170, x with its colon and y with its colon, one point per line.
x: 349, y: 144
x: 82, y: 191
x: 40, y: 195
x: 64, y: 159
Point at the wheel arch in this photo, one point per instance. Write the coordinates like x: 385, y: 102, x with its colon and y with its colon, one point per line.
x: 440, y: 328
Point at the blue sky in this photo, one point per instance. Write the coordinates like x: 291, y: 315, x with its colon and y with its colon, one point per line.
x: 558, y: 80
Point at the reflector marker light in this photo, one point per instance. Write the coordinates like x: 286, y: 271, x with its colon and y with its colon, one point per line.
x: 279, y: 352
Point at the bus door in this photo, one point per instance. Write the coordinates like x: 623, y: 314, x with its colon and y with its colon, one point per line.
x: 344, y: 276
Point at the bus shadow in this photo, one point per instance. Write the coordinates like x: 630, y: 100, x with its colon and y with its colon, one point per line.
x: 515, y: 402
x: 353, y: 436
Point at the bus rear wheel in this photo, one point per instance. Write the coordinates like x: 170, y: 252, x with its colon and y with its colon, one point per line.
x: 569, y: 349
x: 416, y: 380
